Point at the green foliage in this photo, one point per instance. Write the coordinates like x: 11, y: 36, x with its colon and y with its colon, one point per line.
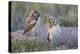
x: 29, y: 46
x: 68, y: 13
x: 70, y: 22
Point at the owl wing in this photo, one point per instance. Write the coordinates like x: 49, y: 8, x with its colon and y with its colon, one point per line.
x: 30, y: 25
x: 28, y: 20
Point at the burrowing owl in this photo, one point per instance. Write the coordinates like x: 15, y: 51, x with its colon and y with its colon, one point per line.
x: 31, y: 20
x: 53, y: 29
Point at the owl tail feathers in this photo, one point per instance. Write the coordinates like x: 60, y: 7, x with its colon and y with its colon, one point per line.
x: 24, y: 32
x: 49, y: 40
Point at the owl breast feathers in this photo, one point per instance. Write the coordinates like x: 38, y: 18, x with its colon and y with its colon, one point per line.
x: 29, y: 23
x: 31, y: 20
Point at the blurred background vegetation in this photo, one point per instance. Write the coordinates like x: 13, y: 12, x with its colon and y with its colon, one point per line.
x: 67, y: 14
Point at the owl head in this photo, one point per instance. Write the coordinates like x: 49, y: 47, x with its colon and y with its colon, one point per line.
x: 35, y: 14
x: 51, y: 21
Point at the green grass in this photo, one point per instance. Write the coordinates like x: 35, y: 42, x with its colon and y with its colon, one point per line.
x: 30, y: 46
